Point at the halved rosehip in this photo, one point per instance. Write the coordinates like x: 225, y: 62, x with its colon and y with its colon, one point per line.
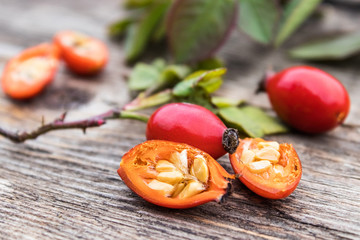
x: 269, y: 169
x: 31, y: 71
x: 82, y: 54
x: 173, y: 175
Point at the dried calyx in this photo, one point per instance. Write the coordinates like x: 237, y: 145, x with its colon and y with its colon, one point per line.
x: 265, y: 157
x: 230, y: 140
x: 179, y: 178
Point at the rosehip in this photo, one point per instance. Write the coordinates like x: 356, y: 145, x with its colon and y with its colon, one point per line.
x: 193, y: 125
x: 82, y: 54
x: 267, y: 168
x: 308, y: 99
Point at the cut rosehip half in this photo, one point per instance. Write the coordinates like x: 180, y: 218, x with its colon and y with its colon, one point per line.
x: 173, y: 175
x: 27, y: 74
x: 269, y: 169
x: 82, y: 54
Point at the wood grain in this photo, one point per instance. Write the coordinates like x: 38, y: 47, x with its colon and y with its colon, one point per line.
x: 64, y: 185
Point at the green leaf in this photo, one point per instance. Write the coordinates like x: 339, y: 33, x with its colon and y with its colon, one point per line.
x: 181, y: 71
x: 210, y: 64
x: 169, y: 77
x: 119, y: 28
x: 211, y: 85
x: 184, y: 88
x: 210, y: 81
x: 197, y: 28
x: 159, y: 64
x: 142, y: 101
x: 174, y: 73
x: 156, y: 76
x: 258, y: 18
x: 160, y: 32
x: 333, y: 48
x: 222, y: 102
x: 131, y: 4
x: 296, y: 12
x: 215, y: 73
x: 143, y: 76
x: 139, y: 33
x: 252, y: 121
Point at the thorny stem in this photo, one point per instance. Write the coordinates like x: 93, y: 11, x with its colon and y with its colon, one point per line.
x: 59, y: 123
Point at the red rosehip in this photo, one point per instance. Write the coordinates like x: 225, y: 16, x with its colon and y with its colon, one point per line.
x: 193, y: 125
x: 308, y: 99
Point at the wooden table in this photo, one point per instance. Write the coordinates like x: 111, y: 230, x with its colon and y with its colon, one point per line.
x: 64, y: 184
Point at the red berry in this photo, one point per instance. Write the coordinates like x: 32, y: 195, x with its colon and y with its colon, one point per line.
x: 193, y: 125
x: 308, y: 99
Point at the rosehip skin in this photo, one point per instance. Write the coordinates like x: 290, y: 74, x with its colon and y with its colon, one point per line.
x: 190, y: 124
x: 308, y: 99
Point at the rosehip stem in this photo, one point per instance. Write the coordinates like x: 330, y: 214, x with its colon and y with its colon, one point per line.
x: 230, y: 140
x: 59, y: 123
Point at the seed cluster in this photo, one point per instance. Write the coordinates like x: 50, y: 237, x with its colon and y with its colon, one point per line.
x: 263, y: 158
x: 177, y: 180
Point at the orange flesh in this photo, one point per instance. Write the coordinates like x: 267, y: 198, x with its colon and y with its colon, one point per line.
x: 82, y: 45
x: 137, y: 169
x: 277, y: 181
x: 27, y: 74
x: 82, y: 54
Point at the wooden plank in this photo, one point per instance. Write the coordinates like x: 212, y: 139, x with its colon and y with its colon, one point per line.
x: 64, y: 185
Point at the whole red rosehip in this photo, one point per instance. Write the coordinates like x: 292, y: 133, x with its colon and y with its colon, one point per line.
x: 308, y: 99
x: 193, y: 125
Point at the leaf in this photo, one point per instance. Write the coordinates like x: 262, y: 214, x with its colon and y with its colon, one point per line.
x: 184, y: 88
x: 139, y: 33
x: 210, y: 81
x: 211, y: 85
x: 269, y: 124
x: 251, y: 121
x: 197, y: 28
x: 222, y: 102
x: 296, y: 12
x: 156, y: 76
x: 131, y: 4
x: 334, y: 48
x: 210, y: 64
x: 142, y: 102
x: 160, y: 32
x: 169, y: 77
x: 200, y: 97
x: 159, y: 64
x: 143, y: 76
x: 181, y: 71
x: 175, y: 72
x: 119, y: 28
x: 258, y: 18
